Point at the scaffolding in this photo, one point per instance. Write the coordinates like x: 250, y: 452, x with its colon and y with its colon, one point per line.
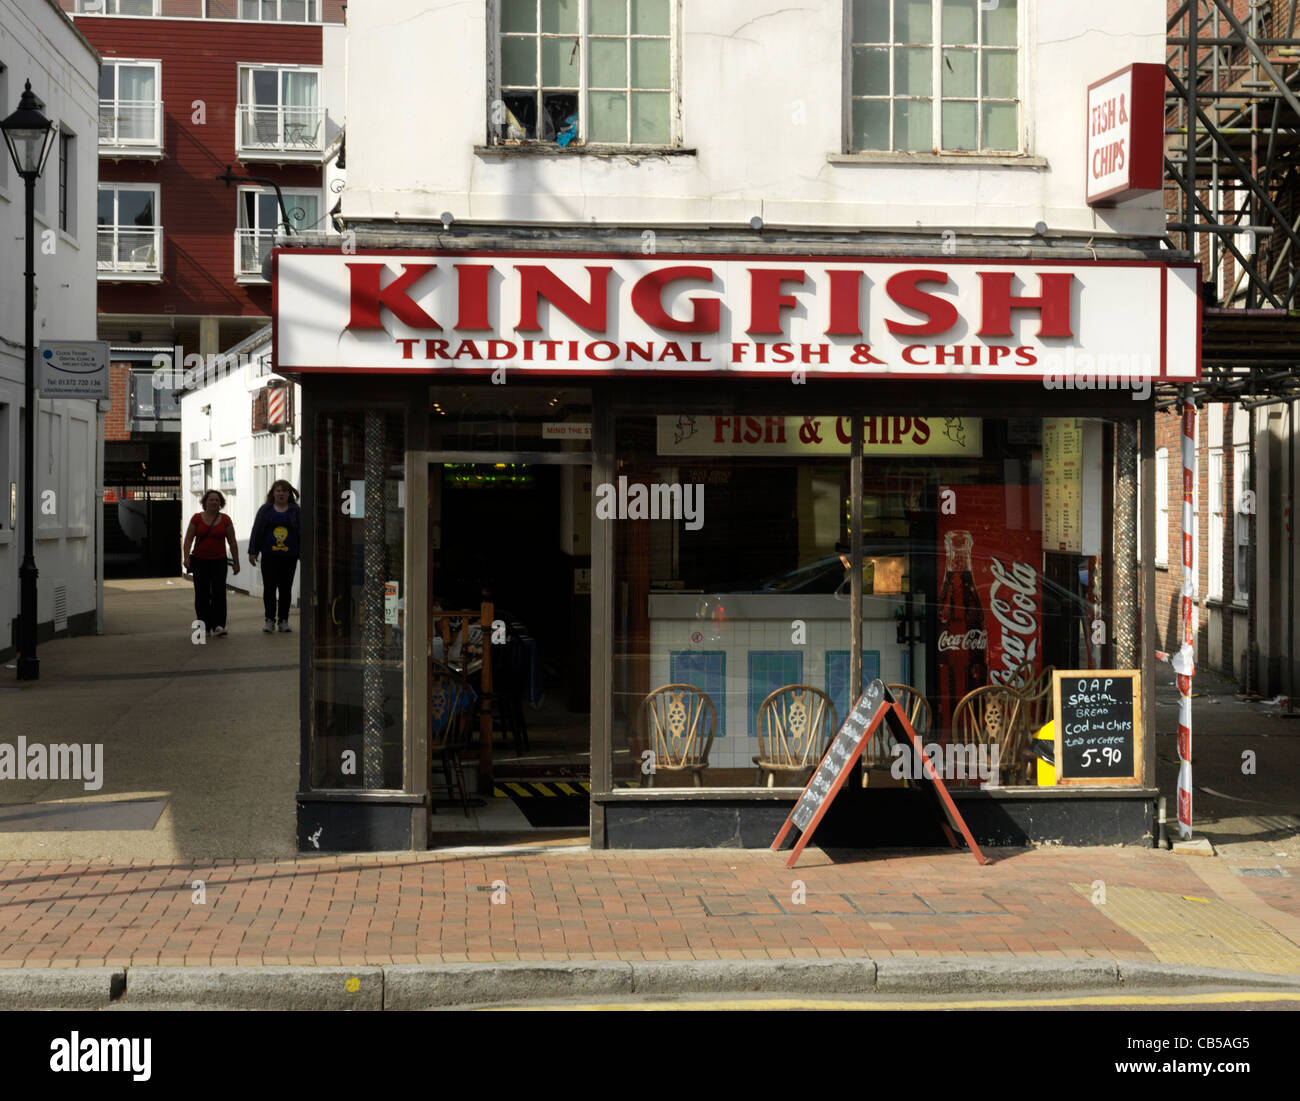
x: 1232, y: 191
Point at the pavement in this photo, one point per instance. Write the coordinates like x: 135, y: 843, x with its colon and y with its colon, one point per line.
x: 211, y: 907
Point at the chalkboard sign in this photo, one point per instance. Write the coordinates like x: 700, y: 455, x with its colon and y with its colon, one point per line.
x: 840, y: 756
x: 874, y: 707
x: 1098, y: 716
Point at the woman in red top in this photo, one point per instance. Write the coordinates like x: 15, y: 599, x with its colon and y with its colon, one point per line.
x: 205, y: 555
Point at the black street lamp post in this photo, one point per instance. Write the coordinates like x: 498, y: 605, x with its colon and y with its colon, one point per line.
x: 28, y: 135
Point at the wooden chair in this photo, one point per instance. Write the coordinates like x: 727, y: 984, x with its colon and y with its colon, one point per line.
x: 795, y: 725
x: 915, y: 706
x: 451, y: 711
x: 679, y: 721
x: 993, y: 715
x: 1037, y: 694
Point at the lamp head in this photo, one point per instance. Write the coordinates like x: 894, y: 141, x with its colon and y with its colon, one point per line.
x: 28, y: 135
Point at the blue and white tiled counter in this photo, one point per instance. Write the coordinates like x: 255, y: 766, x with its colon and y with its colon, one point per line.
x: 759, y: 642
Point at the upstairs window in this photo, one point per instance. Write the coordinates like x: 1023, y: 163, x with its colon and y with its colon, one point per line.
x: 280, y: 11
x: 260, y: 219
x: 934, y: 76
x: 130, y: 112
x: 280, y: 113
x: 586, y: 72
x: 117, y: 7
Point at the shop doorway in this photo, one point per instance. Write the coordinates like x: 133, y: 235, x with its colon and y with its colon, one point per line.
x: 509, y: 583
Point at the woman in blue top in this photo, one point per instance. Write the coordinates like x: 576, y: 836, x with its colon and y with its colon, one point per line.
x: 277, y: 532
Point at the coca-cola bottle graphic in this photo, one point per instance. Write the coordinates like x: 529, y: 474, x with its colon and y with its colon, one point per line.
x: 963, y: 638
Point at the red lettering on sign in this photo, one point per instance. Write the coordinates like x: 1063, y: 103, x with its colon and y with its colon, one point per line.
x: 647, y: 301
x: 1053, y: 304
x: 846, y: 292
x: 368, y: 297
x: 766, y: 300
x: 902, y: 288
x: 536, y: 283
x: 472, y: 294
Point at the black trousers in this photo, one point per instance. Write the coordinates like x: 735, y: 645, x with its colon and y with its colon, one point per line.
x: 277, y: 581
x: 209, y: 591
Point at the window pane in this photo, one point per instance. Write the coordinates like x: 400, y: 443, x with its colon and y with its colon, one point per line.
x: 560, y: 58
x: 520, y: 122
x: 1000, y: 74
x: 913, y: 125
x: 304, y: 210
x: 871, y: 124
x: 959, y: 21
x: 650, y: 64
x: 608, y: 63
x: 518, y: 61
x: 959, y: 73
x: 649, y: 16
x: 560, y: 16
x: 519, y: 15
x: 870, y: 20
x: 650, y: 122
x: 105, y: 214
x: 1000, y: 24
x: 959, y: 126
x: 608, y: 116
x: 912, y: 20
x: 559, y: 113
x: 268, y: 212
x: 1002, y: 126
x: 106, y: 89
x: 608, y: 16
x: 912, y: 72
x: 135, y: 208
x: 870, y: 72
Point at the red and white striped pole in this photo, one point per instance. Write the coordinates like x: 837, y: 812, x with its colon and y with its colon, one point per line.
x: 1183, y: 662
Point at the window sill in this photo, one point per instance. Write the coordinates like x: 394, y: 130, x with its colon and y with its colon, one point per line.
x: 131, y: 152
x: 549, y: 149
x: 948, y: 160
x: 64, y: 235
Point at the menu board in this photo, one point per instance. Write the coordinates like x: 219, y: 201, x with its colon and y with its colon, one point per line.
x: 874, y: 706
x: 1063, y: 484
x: 839, y: 757
x: 1098, y: 718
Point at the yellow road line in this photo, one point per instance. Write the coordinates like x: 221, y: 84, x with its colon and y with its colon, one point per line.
x: 1224, y: 998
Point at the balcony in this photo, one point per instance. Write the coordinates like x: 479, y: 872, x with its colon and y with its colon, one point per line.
x: 130, y: 127
x: 281, y: 133
x: 252, y: 247
x: 130, y: 253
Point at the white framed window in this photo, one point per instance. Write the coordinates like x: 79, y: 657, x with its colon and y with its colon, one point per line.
x: 129, y: 231
x: 1242, y: 508
x: 130, y: 107
x: 585, y: 72
x: 1162, y: 507
x: 934, y: 76
x: 280, y: 11
x: 280, y: 116
x: 260, y: 219
x: 118, y: 7
x: 1215, y: 590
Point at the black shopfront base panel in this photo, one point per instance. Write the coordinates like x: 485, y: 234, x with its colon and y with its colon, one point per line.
x: 333, y: 825
x: 888, y: 818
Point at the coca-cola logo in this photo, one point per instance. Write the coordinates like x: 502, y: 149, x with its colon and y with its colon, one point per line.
x: 971, y: 640
x: 1018, y: 616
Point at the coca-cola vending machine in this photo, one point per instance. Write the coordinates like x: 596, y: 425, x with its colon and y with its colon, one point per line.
x: 990, y: 593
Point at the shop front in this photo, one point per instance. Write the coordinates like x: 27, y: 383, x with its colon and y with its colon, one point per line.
x: 667, y: 515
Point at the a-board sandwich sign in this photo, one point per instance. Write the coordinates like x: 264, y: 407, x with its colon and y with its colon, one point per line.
x: 1098, y: 715
x: 873, y: 708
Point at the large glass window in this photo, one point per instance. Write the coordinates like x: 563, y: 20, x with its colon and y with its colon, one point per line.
x: 358, y: 521
x: 130, y: 108
x: 129, y: 231
x: 982, y: 551
x: 934, y: 76
x: 260, y: 218
x: 585, y: 71
x: 279, y: 110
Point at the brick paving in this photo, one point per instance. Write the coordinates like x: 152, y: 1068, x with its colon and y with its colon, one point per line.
x: 579, y: 905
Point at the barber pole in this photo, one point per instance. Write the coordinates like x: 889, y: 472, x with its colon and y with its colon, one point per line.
x: 1183, y: 662
x: 275, y: 405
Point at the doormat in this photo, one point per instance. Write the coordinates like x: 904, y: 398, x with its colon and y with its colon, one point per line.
x: 139, y: 814
x: 544, y: 806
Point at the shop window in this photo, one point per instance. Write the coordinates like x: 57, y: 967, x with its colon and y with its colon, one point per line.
x: 733, y: 573
x: 934, y: 77
x: 359, y: 526
x: 599, y: 72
